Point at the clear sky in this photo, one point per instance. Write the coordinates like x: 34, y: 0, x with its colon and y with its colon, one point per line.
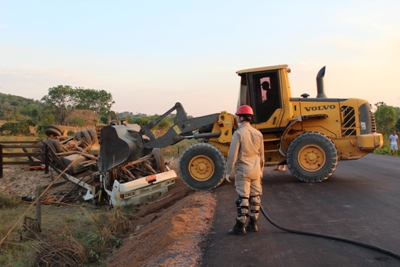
x: 151, y: 54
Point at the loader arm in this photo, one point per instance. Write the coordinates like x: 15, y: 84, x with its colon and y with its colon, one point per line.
x: 180, y: 114
x: 119, y: 144
x: 184, y: 130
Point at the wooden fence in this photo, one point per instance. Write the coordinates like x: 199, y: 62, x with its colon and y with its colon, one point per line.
x: 24, y: 146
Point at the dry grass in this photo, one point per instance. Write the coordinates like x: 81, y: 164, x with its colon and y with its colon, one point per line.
x: 14, y: 252
x: 60, y: 253
x: 69, y: 235
x: 17, y: 138
x: 112, y: 223
x: 10, y: 201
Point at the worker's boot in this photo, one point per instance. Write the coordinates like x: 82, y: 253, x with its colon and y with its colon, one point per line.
x: 252, y: 226
x: 238, y: 229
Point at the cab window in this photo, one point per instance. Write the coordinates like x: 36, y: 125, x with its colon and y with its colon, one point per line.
x: 266, y: 95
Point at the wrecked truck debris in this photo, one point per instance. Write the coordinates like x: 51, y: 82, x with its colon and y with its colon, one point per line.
x: 111, y: 168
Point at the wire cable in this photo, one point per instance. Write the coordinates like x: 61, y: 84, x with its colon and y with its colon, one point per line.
x: 385, y: 251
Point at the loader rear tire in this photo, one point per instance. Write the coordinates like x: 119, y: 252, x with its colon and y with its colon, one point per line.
x: 312, y: 157
x: 201, y: 166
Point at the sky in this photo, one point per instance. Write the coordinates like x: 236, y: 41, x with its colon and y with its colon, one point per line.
x: 151, y: 54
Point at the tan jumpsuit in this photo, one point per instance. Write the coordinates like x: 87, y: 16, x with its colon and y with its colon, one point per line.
x: 246, y: 156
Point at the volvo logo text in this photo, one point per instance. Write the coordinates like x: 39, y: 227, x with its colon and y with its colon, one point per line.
x: 324, y: 107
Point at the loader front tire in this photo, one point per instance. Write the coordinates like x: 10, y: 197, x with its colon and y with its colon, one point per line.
x: 312, y: 157
x: 201, y: 166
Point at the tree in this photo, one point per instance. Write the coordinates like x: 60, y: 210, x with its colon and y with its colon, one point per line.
x: 81, y: 117
x: 163, y: 124
x: 59, y: 99
x: 104, y: 120
x: 142, y: 121
x: 78, y: 122
x: 97, y: 100
x: 18, y: 108
x: 385, y: 117
x: 32, y: 111
x: 63, y: 99
x: 397, y: 126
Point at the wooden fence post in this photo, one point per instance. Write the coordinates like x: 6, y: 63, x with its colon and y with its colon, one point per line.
x: 38, y: 207
x: 1, y: 161
x: 46, y: 159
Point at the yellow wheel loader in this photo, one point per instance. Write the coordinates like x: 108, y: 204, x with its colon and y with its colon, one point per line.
x: 308, y: 134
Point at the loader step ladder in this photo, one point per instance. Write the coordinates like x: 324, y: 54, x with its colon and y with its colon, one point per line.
x: 275, y: 141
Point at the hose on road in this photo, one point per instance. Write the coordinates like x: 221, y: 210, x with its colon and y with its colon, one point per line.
x: 385, y: 251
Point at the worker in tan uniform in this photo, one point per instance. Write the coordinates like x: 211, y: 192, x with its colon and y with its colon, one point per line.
x: 246, y: 157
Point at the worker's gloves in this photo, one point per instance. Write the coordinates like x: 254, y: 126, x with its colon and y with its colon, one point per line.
x: 227, y: 178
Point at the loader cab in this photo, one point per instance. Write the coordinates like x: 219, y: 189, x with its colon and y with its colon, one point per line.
x: 260, y: 88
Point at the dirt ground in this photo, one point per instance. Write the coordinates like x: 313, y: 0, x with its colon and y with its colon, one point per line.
x: 19, y: 180
x: 167, y: 232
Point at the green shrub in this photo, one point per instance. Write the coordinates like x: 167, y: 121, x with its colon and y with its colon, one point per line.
x: 70, y: 133
x: 17, y: 128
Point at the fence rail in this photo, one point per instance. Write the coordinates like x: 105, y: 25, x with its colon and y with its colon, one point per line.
x: 33, y: 158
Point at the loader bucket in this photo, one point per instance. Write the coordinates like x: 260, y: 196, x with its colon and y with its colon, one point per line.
x: 119, y: 144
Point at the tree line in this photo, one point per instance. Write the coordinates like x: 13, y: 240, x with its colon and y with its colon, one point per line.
x: 387, y: 118
x: 57, y: 106
x: 65, y: 105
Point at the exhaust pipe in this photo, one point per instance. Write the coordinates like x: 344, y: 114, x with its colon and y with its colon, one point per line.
x: 320, y: 83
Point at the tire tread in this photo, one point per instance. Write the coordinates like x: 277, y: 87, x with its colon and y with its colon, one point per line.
x: 219, y: 165
x: 331, y: 155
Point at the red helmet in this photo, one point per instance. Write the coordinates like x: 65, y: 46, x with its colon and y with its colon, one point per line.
x: 245, y: 110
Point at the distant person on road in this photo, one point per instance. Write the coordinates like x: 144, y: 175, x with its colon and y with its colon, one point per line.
x: 394, y: 139
x: 246, y: 157
x: 280, y: 167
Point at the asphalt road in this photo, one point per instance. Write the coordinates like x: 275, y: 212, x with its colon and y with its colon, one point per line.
x: 360, y: 201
